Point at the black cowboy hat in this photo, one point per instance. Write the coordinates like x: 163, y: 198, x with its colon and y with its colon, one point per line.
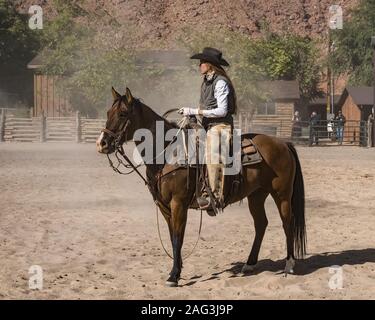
x: 211, y: 55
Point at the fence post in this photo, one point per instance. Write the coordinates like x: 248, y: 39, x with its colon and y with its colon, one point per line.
x: 2, y: 125
x: 31, y: 112
x: 78, y: 127
x: 42, y: 127
x: 369, y: 133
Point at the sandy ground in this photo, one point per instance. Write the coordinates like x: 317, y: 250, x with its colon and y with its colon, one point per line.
x: 94, y: 233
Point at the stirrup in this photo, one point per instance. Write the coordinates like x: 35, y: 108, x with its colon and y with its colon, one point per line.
x: 207, y: 202
x: 203, y: 202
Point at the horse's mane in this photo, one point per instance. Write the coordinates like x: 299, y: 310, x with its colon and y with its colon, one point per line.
x: 138, y: 103
x: 154, y: 114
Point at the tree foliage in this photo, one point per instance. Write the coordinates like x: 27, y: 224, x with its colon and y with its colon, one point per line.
x: 18, y: 45
x: 271, y: 57
x: 88, y: 67
x: 91, y: 62
x: 353, y: 53
x: 289, y: 57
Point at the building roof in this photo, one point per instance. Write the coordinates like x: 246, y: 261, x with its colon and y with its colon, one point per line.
x: 322, y: 101
x: 38, y: 61
x: 361, y: 95
x: 282, y: 89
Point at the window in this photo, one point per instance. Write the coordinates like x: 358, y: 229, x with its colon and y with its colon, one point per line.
x: 266, y: 108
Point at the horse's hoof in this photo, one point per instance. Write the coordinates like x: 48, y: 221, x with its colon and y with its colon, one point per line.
x: 247, y: 268
x: 171, y: 284
x: 290, y: 263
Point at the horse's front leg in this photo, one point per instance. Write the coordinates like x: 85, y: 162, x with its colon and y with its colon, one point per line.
x: 177, y: 225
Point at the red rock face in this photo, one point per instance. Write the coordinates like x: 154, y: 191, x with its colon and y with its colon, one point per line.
x: 160, y: 21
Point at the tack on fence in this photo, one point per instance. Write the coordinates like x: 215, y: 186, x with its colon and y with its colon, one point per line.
x: 45, y: 129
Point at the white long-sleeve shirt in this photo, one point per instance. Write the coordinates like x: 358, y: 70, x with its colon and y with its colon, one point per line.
x: 221, y: 93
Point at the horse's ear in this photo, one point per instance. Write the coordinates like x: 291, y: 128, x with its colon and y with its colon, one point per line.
x: 115, y: 94
x: 128, y: 95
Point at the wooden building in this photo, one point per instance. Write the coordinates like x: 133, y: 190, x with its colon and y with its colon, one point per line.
x: 356, y: 105
x: 319, y: 105
x: 273, y: 117
x: 47, y: 97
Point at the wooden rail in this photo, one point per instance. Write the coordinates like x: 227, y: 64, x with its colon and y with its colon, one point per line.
x: 47, y: 129
x: 79, y: 129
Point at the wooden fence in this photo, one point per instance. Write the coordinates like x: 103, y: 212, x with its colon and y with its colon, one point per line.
x: 79, y: 129
x: 45, y: 129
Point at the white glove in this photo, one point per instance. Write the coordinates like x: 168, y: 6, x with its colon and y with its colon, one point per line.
x: 188, y: 111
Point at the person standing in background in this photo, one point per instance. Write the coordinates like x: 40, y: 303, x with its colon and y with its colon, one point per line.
x: 314, y: 128
x: 296, y: 126
x: 340, y: 124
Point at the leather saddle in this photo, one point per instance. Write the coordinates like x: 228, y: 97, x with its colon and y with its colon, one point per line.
x: 249, y: 152
x: 250, y: 155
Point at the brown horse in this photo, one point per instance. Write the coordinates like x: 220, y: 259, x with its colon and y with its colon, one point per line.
x: 279, y: 174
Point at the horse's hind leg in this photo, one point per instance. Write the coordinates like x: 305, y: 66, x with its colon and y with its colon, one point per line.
x: 256, y: 205
x: 285, y: 210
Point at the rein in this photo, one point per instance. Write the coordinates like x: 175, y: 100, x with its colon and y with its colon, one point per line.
x: 158, y: 202
x: 120, y: 150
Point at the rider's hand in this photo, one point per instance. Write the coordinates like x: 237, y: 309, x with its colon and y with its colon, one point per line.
x: 188, y: 111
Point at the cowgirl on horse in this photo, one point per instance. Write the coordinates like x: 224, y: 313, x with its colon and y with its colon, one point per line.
x: 217, y: 104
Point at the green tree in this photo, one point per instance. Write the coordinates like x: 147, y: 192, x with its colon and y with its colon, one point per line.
x: 65, y: 42
x: 272, y: 57
x: 91, y: 61
x: 289, y: 57
x: 88, y: 67
x: 244, y: 73
x: 90, y: 58
x: 18, y: 45
x: 353, y: 53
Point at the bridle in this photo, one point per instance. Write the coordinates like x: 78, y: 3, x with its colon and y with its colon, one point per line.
x: 119, y: 137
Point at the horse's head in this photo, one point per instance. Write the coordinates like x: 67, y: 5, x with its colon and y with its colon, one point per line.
x: 119, y: 127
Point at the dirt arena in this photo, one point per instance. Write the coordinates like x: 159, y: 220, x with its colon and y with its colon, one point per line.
x: 94, y: 232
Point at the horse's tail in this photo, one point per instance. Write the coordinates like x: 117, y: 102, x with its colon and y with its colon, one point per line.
x: 298, y: 208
